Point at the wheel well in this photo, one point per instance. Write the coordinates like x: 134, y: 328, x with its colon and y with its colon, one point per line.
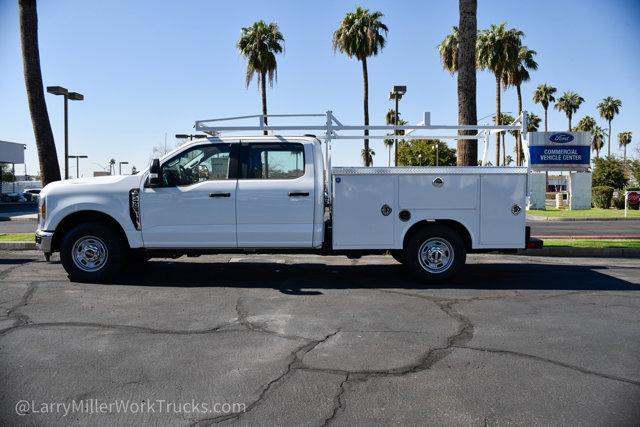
x: 80, y: 217
x: 455, y: 225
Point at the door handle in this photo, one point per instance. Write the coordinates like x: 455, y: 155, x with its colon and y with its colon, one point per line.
x: 219, y: 194
x: 298, y: 194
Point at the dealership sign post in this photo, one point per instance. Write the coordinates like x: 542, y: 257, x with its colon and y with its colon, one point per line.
x: 560, y: 151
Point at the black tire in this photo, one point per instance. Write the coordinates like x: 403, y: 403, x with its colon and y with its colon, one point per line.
x: 399, y: 256
x: 448, y: 253
x: 97, y: 248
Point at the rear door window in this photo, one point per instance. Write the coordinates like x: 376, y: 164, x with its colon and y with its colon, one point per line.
x: 273, y: 161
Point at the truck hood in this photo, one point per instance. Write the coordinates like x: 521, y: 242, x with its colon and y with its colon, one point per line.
x: 114, y: 183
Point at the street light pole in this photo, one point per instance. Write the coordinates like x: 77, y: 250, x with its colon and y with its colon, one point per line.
x: 78, y: 163
x: 74, y: 96
x: 396, y: 94
x: 66, y: 136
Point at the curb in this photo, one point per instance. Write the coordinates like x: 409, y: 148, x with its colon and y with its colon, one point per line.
x: 583, y: 252
x: 17, y: 246
x: 543, y: 218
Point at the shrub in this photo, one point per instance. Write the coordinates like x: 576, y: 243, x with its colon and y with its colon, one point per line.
x: 602, y: 196
x: 609, y: 172
x: 618, y: 201
x: 634, y: 169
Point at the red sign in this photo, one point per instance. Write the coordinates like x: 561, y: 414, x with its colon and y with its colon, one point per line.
x: 633, y: 197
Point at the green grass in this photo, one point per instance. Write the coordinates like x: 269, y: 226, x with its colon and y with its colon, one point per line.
x: 17, y: 237
x: 552, y: 212
x: 593, y: 243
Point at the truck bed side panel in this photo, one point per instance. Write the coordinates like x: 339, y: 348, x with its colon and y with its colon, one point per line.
x: 455, y: 192
x: 358, y: 218
x: 502, y: 215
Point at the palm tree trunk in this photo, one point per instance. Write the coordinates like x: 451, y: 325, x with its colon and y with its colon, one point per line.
x: 609, y: 143
x: 504, y: 149
x: 625, y: 153
x: 263, y: 82
x: 497, y: 119
x: 47, y: 156
x: 467, y: 149
x: 365, y: 76
x: 569, y: 118
x: 519, y: 153
x: 545, y: 118
x: 390, y: 147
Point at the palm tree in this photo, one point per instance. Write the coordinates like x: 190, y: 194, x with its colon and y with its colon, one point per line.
x: 598, y: 140
x: 259, y: 44
x: 569, y: 102
x: 517, y: 74
x: 360, y: 35
x: 505, y: 119
x: 112, y: 166
x: 448, y: 50
x: 497, y: 50
x: 624, y: 139
x: 533, y: 122
x: 451, y: 56
x: 467, y: 149
x: 47, y: 156
x: 608, y: 109
x: 367, y: 156
x: 586, y: 124
x: 544, y: 95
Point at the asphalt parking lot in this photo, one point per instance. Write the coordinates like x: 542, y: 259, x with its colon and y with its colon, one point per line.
x: 307, y: 340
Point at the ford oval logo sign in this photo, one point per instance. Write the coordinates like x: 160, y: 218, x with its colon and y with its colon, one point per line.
x: 561, y: 138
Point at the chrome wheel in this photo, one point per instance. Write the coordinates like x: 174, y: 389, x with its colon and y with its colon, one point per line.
x: 89, y: 254
x: 436, y: 255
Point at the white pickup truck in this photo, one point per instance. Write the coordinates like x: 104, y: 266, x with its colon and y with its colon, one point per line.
x: 277, y: 194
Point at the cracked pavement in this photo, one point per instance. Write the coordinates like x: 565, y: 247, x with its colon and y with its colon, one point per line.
x: 309, y: 340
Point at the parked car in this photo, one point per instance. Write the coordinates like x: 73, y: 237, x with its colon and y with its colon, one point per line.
x: 31, y: 194
x: 12, y: 198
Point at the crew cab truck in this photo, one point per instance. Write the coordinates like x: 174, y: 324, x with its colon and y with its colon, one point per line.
x: 276, y: 194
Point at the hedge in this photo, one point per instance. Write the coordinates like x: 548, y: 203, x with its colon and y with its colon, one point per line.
x: 602, y: 196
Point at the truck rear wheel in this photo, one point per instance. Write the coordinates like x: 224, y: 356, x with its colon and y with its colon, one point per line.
x: 435, y: 253
x: 91, y: 252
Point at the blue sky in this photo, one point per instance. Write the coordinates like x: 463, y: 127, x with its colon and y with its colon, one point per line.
x: 150, y: 67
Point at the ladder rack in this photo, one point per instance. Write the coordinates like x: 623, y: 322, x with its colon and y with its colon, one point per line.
x: 331, y: 126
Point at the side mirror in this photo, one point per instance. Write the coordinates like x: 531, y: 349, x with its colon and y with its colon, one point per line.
x: 154, y: 173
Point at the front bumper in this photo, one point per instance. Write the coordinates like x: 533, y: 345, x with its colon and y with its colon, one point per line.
x: 44, y: 240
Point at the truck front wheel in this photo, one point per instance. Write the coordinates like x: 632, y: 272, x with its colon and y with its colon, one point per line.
x: 91, y: 252
x: 435, y: 253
